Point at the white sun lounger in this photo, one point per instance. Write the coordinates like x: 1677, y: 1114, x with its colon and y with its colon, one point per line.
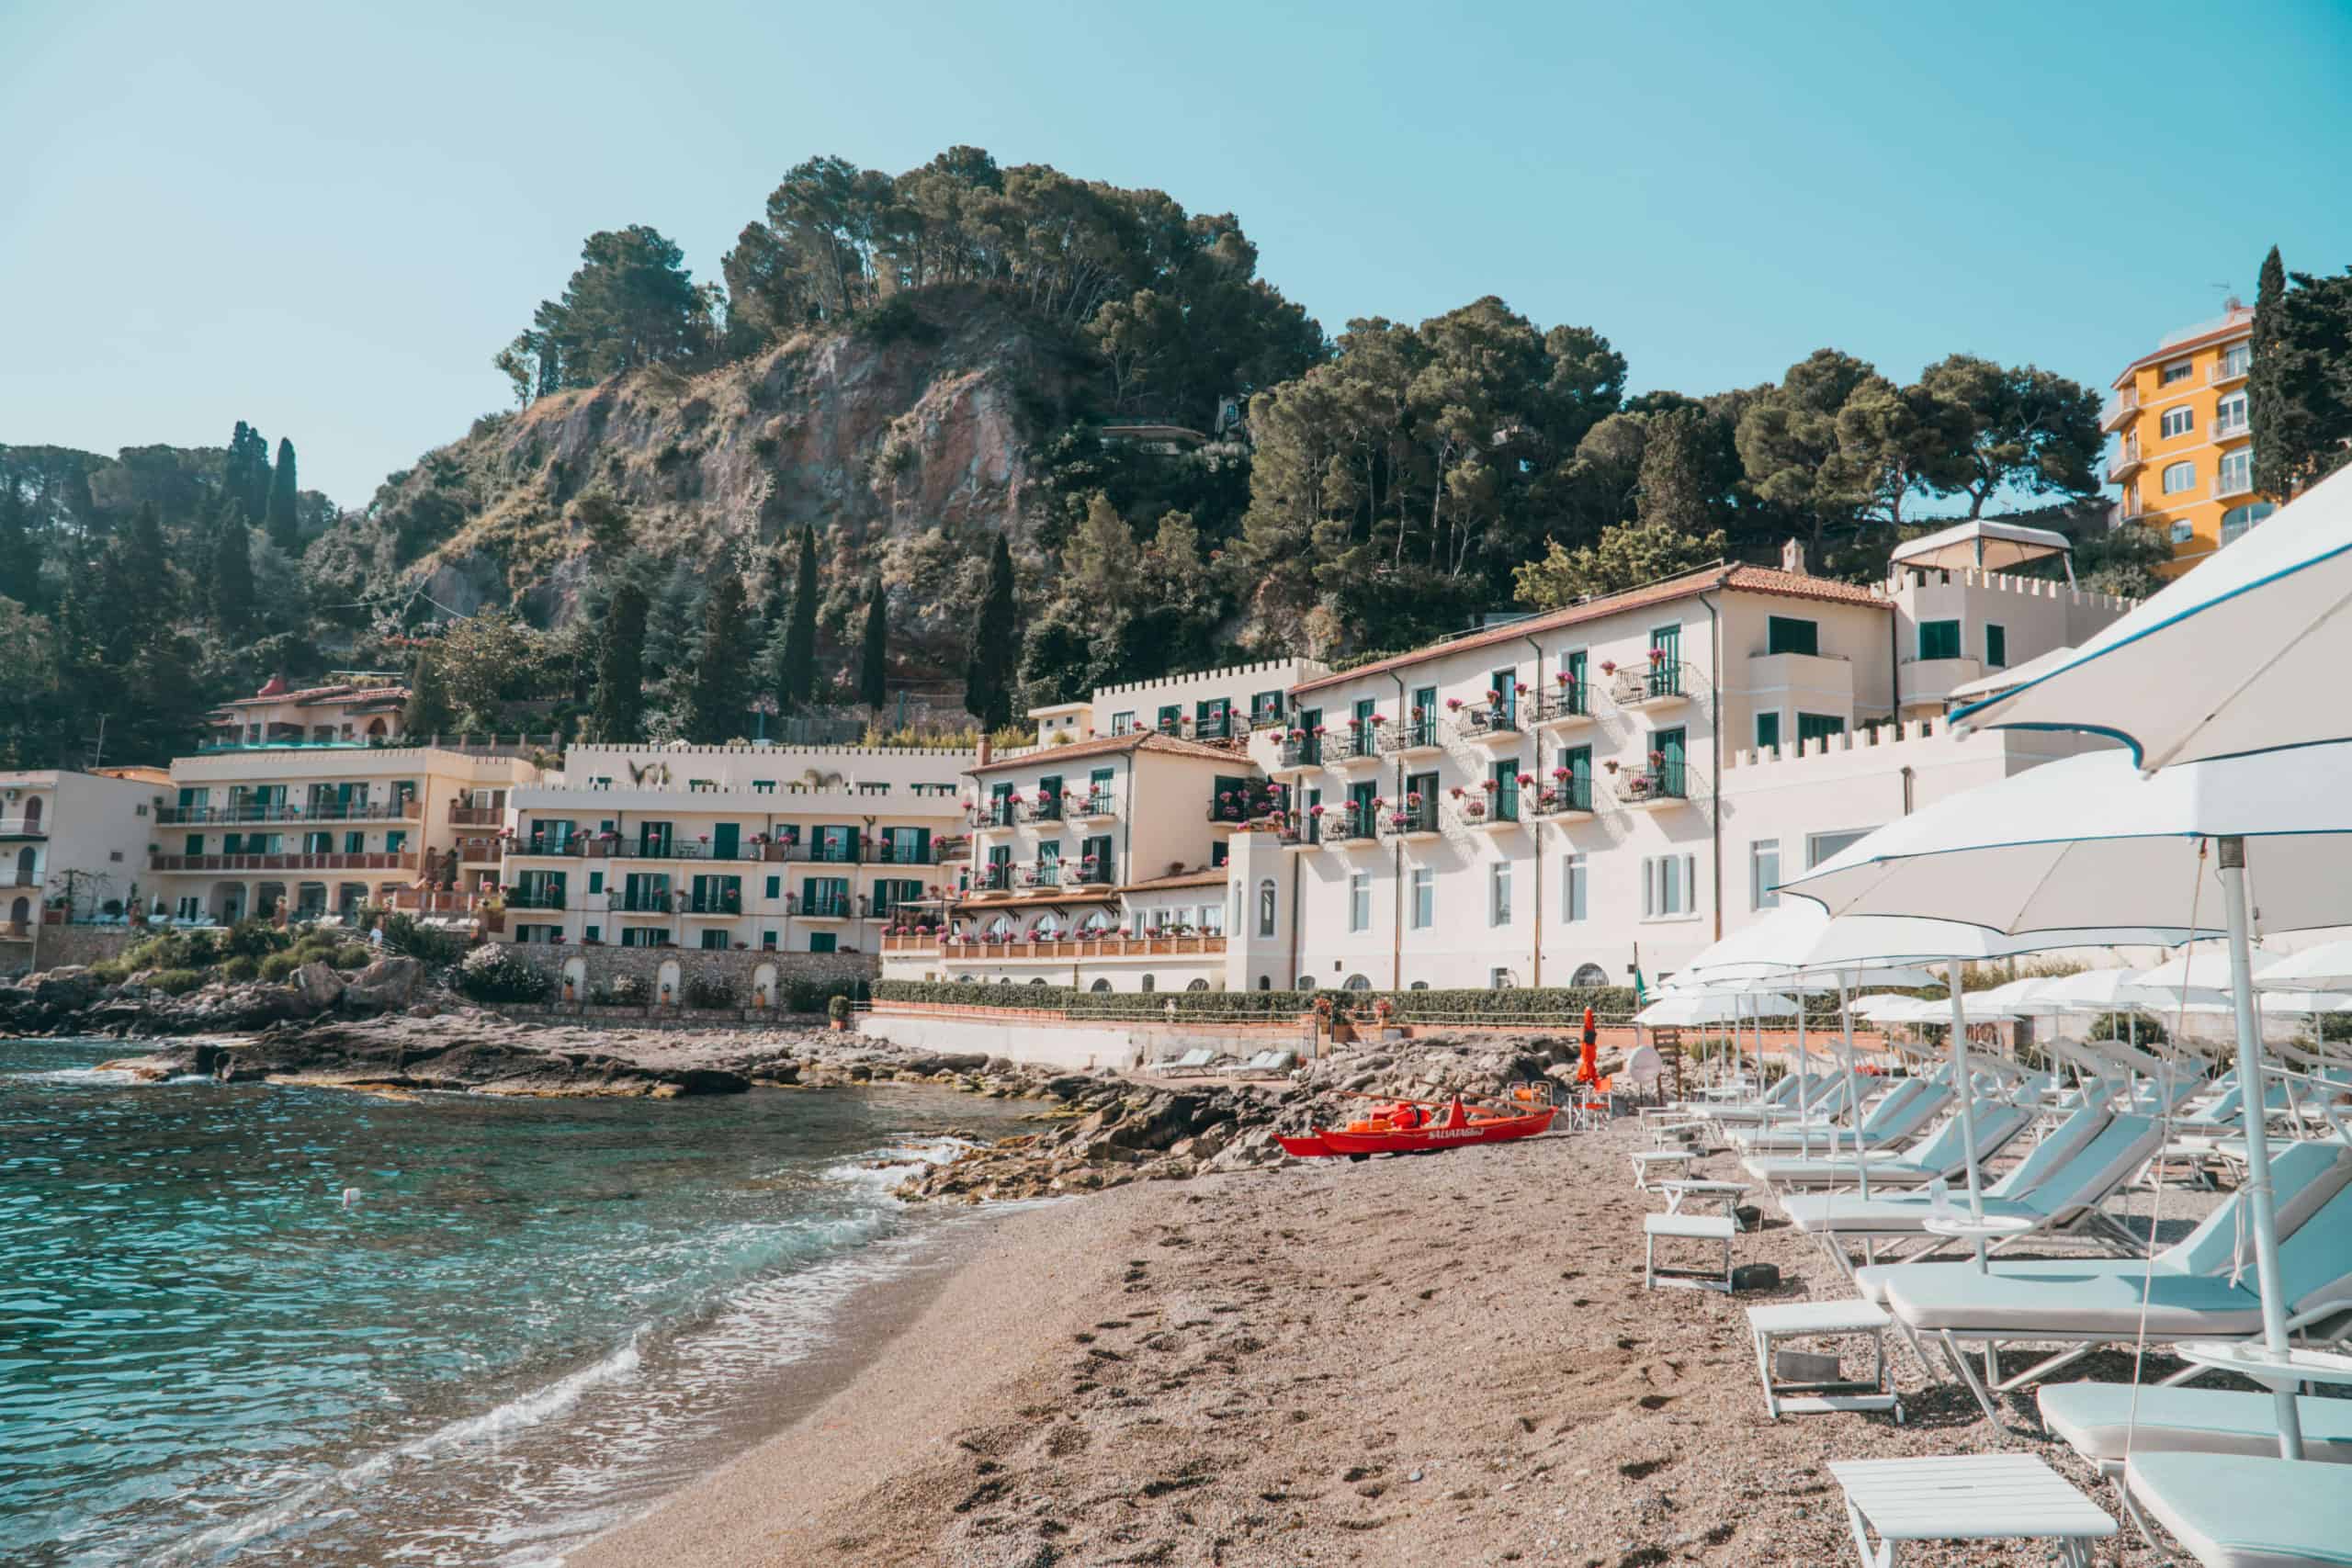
x: 2107, y: 1422
x: 1909, y: 1106
x: 2092, y: 1307
x: 2235, y: 1511
x: 1942, y: 1155
x: 1195, y: 1061
x: 2057, y: 1188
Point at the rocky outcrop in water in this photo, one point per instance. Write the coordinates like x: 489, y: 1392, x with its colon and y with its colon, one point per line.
x: 77, y: 1001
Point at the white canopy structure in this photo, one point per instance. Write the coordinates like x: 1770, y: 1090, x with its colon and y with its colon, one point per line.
x: 1692, y: 1008
x: 2327, y: 967
x: 2006, y: 680
x: 2235, y: 657
x: 1986, y: 545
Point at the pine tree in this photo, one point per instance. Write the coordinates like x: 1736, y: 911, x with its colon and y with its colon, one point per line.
x: 19, y: 551
x: 873, y: 665
x: 429, y: 711
x: 147, y: 568
x: 245, y: 479
x: 285, y: 524
x: 995, y: 644
x: 231, y: 587
x: 618, y: 706
x: 800, y: 632
x: 718, y: 694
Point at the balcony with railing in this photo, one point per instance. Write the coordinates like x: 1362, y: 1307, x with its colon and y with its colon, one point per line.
x: 644, y: 901
x: 1658, y: 681
x: 2229, y: 367
x: 1568, y: 703
x: 1341, y: 826
x: 1352, y: 744
x: 1566, y: 796
x: 995, y: 877
x: 2233, y: 481
x: 2230, y: 427
x: 2126, y: 460
x: 237, y: 814
x: 464, y: 816
x: 721, y: 905
x: 1661, y: 784
x: 1039, y: 808
x: 535, y: 898
x: 422, y: 901
x: 1094, y: 805
x: 2120, y: 410
x: 16, y: 931
x: 1413, y: 817
x: 1494, y: 721
x: 1490, y: 807
x: 1255, y: 802
x: 1416, y: 737
x: 1040, y: 877
x: 996, y: 812
x: 24, y: 827
x: 1090, y: 871
x: 1299, y: 752
x: 403, y: 861
x: 484, y: 851
x: 825, y: 906
x: 1057, y: 949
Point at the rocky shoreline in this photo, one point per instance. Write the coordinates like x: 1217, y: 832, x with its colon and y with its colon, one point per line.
x: 390, y: 1029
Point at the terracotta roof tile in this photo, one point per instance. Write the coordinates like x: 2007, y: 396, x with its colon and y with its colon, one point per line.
x: 1209, y: 876
x: 1747, y: 579
x: 1111, y: 745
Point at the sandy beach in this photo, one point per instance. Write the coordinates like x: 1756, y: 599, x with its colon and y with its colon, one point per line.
x: 1429, y: 1360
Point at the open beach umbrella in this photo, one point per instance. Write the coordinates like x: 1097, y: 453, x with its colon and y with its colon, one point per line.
x: 2200, y: 972
x: 2326, y: 967
x: 2236, y: 657
x: 2088, y: 840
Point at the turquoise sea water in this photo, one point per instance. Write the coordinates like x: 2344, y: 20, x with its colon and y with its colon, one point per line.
x: 530, y: 1318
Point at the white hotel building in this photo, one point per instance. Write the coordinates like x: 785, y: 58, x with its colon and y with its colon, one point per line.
x: 1524, y: 804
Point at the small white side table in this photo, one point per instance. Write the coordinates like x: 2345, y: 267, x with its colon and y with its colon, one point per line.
x: 1684, y: 1189
x: 1965, y: 1497
x: 1646, y: 1159
x: 1958, y: 1226
x: 1808, y: 1320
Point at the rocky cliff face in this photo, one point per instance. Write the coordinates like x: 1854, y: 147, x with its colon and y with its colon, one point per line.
x: 919, y: 418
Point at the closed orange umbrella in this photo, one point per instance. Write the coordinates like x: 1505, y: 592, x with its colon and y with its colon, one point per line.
x: 1589, y: 1068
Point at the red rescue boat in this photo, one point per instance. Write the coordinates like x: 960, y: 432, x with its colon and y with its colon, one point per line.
x: 1408, y: 1126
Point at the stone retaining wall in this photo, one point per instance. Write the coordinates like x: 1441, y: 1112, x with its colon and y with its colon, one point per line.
x: 578, y: 1015
x: 603, y: 964
x: 58, y: 946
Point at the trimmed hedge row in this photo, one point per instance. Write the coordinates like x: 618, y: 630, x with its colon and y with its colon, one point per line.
x: 1556, y: 1006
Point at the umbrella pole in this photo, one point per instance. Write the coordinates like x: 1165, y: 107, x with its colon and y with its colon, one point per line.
x: 2258, y: 1138
x: 1804, y: 1112
x: 1853, y: 1088
x: 1967, y: 1095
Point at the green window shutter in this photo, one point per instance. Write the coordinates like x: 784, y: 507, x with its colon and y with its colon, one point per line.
x: 196, y: 844
x: 594, y: 933
x: 1996, y: 647
x: 775, y: 887
x: 1767, y: 730
x: 596, y: 882
x: 1789, y: 634
x: 1939, y: 639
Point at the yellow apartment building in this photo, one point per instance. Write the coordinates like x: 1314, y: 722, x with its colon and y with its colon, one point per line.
x: 2183, y: 447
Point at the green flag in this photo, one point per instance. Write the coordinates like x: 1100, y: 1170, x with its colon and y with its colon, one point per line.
x: 1641, y: 992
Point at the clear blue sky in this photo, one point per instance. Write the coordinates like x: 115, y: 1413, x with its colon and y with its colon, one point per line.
x: 325, y: 218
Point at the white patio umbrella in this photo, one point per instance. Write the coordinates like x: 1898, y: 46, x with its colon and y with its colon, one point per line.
x: 2200, y: 972
x: 1688, y: 1008
x: 2212, y: 667
x: 2088, y: 840
x: 2326, y: 967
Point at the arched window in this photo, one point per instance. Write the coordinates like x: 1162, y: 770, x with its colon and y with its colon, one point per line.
x: 1000, y: 929
x: 2238, y: 519
x: 20, y: 912
x: 1039, y: 981
x: 1305, y: 983
x: 1589, y: 975
x: 1198, y: 985
x: 966, y: 979
x: 1266, y: 907
x: 1096, y: 922
x: 1100, y: 986
x: 1045, y: 927
x: 1148, y: 984
x: 1358, y: 983
x: 1418, y: 986
x: 1265, y: 982
x: 32, y: 815
x: 25, y: 862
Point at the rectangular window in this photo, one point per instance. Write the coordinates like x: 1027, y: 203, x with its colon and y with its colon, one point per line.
x: 1265, y: 708
x: 355, y: 844
x: 2236, y: 472
x: 2177, y: 371
x: 1172, y: 718
x: 596, y: 882
x: 1574, y: 886
x: 1498, y: 979
x: 1359, y: 901
x: 395, y: 842
x: 1424, y: 898
x: 2236, y: 361
x: 713, y: 941
x: 1788, y: 633
x: 2229, y: 416
x: 821, y: 942
x: 1819, y: 847
x: 1498, y: 894
x: 1996, y: 647
x: 764, y: 786
x: 1763, y: 874
x: 2179, y: 477
x: 1939, y: 639
x: 2182, y: 533
x: 593, y: 933
x: 1818, y: 726
x: 1123, y: 722
x: 767, y: 942
x: 2177, y: 422
x: 1768, y: 730
x: 1669, y: 886
x: 775, y: 887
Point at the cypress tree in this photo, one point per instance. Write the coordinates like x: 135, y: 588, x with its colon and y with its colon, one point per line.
x: 429, y: 711
x: 800, y: 632
x: 245, y: 479
x: 996, y: 643
x: 285, y: 525
x: 148, y: 569
x: 873, y: 663
x: 2266, y: 404
x: 618, y: 705
x: 19, y: 551
x: 231, y: 588
x: 720, y: 691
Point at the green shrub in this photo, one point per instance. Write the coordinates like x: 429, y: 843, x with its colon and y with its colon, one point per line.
x: 279, y: 965
x: 496, y: 973
x: 1553, y: 1007
x: 838, y: 1010
x: 240, y: 968
x: 174, y: 950
x: 315, y: 949
x: 110, y: 971
x: 254, y: 938
x: 629, y: 991
x: 709, y: 991
x: 352, y: 955
x: 177, y: 982
x: 817, y: 996
x: 438, y: 948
